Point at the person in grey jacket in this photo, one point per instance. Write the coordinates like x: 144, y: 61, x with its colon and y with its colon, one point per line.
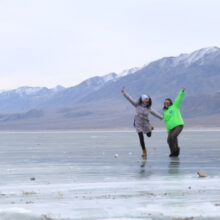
x: 141, y: 121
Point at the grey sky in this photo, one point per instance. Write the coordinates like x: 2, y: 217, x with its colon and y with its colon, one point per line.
x: 50, y: 42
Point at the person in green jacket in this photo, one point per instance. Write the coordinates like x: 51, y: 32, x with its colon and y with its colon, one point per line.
x: 174, y: 122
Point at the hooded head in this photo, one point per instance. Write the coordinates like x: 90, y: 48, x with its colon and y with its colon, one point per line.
x: 143, y: 97
x: 146, y: 100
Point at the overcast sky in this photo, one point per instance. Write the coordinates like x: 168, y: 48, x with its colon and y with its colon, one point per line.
x: 51, y: 42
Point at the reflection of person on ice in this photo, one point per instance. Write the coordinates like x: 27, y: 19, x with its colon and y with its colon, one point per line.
x: 174, y: 122
x: 141, y: 121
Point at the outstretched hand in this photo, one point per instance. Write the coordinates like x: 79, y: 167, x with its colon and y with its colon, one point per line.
x: 183, y: 88
x: 123, y: 90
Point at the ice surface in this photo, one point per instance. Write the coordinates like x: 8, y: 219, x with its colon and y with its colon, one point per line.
x: 77, y: 176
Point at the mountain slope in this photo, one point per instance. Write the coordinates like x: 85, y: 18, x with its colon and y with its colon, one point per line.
x: 27, y: 98
x: 166, y: 76
x: 98, y: 102
x: 199, y: 72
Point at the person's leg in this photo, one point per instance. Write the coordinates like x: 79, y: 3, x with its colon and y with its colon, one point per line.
x: 141, y: 138
x: 178, y: 130
x: 174, y: 141
x: 169, y: 141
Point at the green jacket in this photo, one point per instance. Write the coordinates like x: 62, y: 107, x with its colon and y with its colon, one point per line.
x: 172, y: 116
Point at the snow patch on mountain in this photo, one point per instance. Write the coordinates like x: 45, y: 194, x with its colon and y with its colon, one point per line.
x: 58, y: 88
x: 198, y: 55
x: 109, y: 77
x: 128, y: 71
x: 114, y: 76
x: 27, y: 90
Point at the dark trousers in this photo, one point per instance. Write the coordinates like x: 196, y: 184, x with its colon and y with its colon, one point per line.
x: 141, y: 138
x: 173, y: 141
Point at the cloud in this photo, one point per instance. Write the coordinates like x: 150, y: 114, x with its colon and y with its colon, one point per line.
x: 49, y: 42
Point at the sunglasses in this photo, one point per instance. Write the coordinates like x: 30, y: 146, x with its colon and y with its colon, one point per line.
x: 167, y: 102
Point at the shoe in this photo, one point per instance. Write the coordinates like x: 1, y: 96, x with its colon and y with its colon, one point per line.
x: 178, y: 151
x: 144, y: 154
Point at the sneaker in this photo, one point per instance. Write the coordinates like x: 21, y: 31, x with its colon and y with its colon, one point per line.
x: 178, y: 151
x: 144, y: 154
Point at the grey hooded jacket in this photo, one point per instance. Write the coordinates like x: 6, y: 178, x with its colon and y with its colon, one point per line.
x: 142, y: 122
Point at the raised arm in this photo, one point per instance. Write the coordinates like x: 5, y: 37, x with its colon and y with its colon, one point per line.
x: 179, y: 98
x: 156, y: 114
x: 134, y: 103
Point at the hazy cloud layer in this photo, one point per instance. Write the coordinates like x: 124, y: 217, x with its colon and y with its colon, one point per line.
x: 45, y: 43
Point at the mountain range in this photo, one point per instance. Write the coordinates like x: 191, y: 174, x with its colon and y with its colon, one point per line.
x: 98, y: 103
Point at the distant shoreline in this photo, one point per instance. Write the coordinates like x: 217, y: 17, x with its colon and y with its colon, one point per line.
x: 159, y: 129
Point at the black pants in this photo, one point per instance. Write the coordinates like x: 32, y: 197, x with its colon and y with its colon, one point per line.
x: 141, y: 138
x: 173, y: 141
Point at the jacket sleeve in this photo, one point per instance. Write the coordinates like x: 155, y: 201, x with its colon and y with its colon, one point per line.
x: 134, y: 103
x: 156, y: 114
x: 179, y: 98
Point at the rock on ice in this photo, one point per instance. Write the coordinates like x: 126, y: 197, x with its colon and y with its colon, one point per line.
x: 202, y: 173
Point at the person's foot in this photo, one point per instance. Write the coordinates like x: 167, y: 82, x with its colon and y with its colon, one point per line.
x: 176, y: 153
x: 144, y: 154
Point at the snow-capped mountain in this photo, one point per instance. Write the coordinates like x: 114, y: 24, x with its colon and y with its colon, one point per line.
x: 28, y: 90
x: 198, y: 57
x: 89, y: 85
x: 26, y: 97
x: 198, y: 71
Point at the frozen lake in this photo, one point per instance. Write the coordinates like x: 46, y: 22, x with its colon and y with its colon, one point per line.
x: 77, y: 176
